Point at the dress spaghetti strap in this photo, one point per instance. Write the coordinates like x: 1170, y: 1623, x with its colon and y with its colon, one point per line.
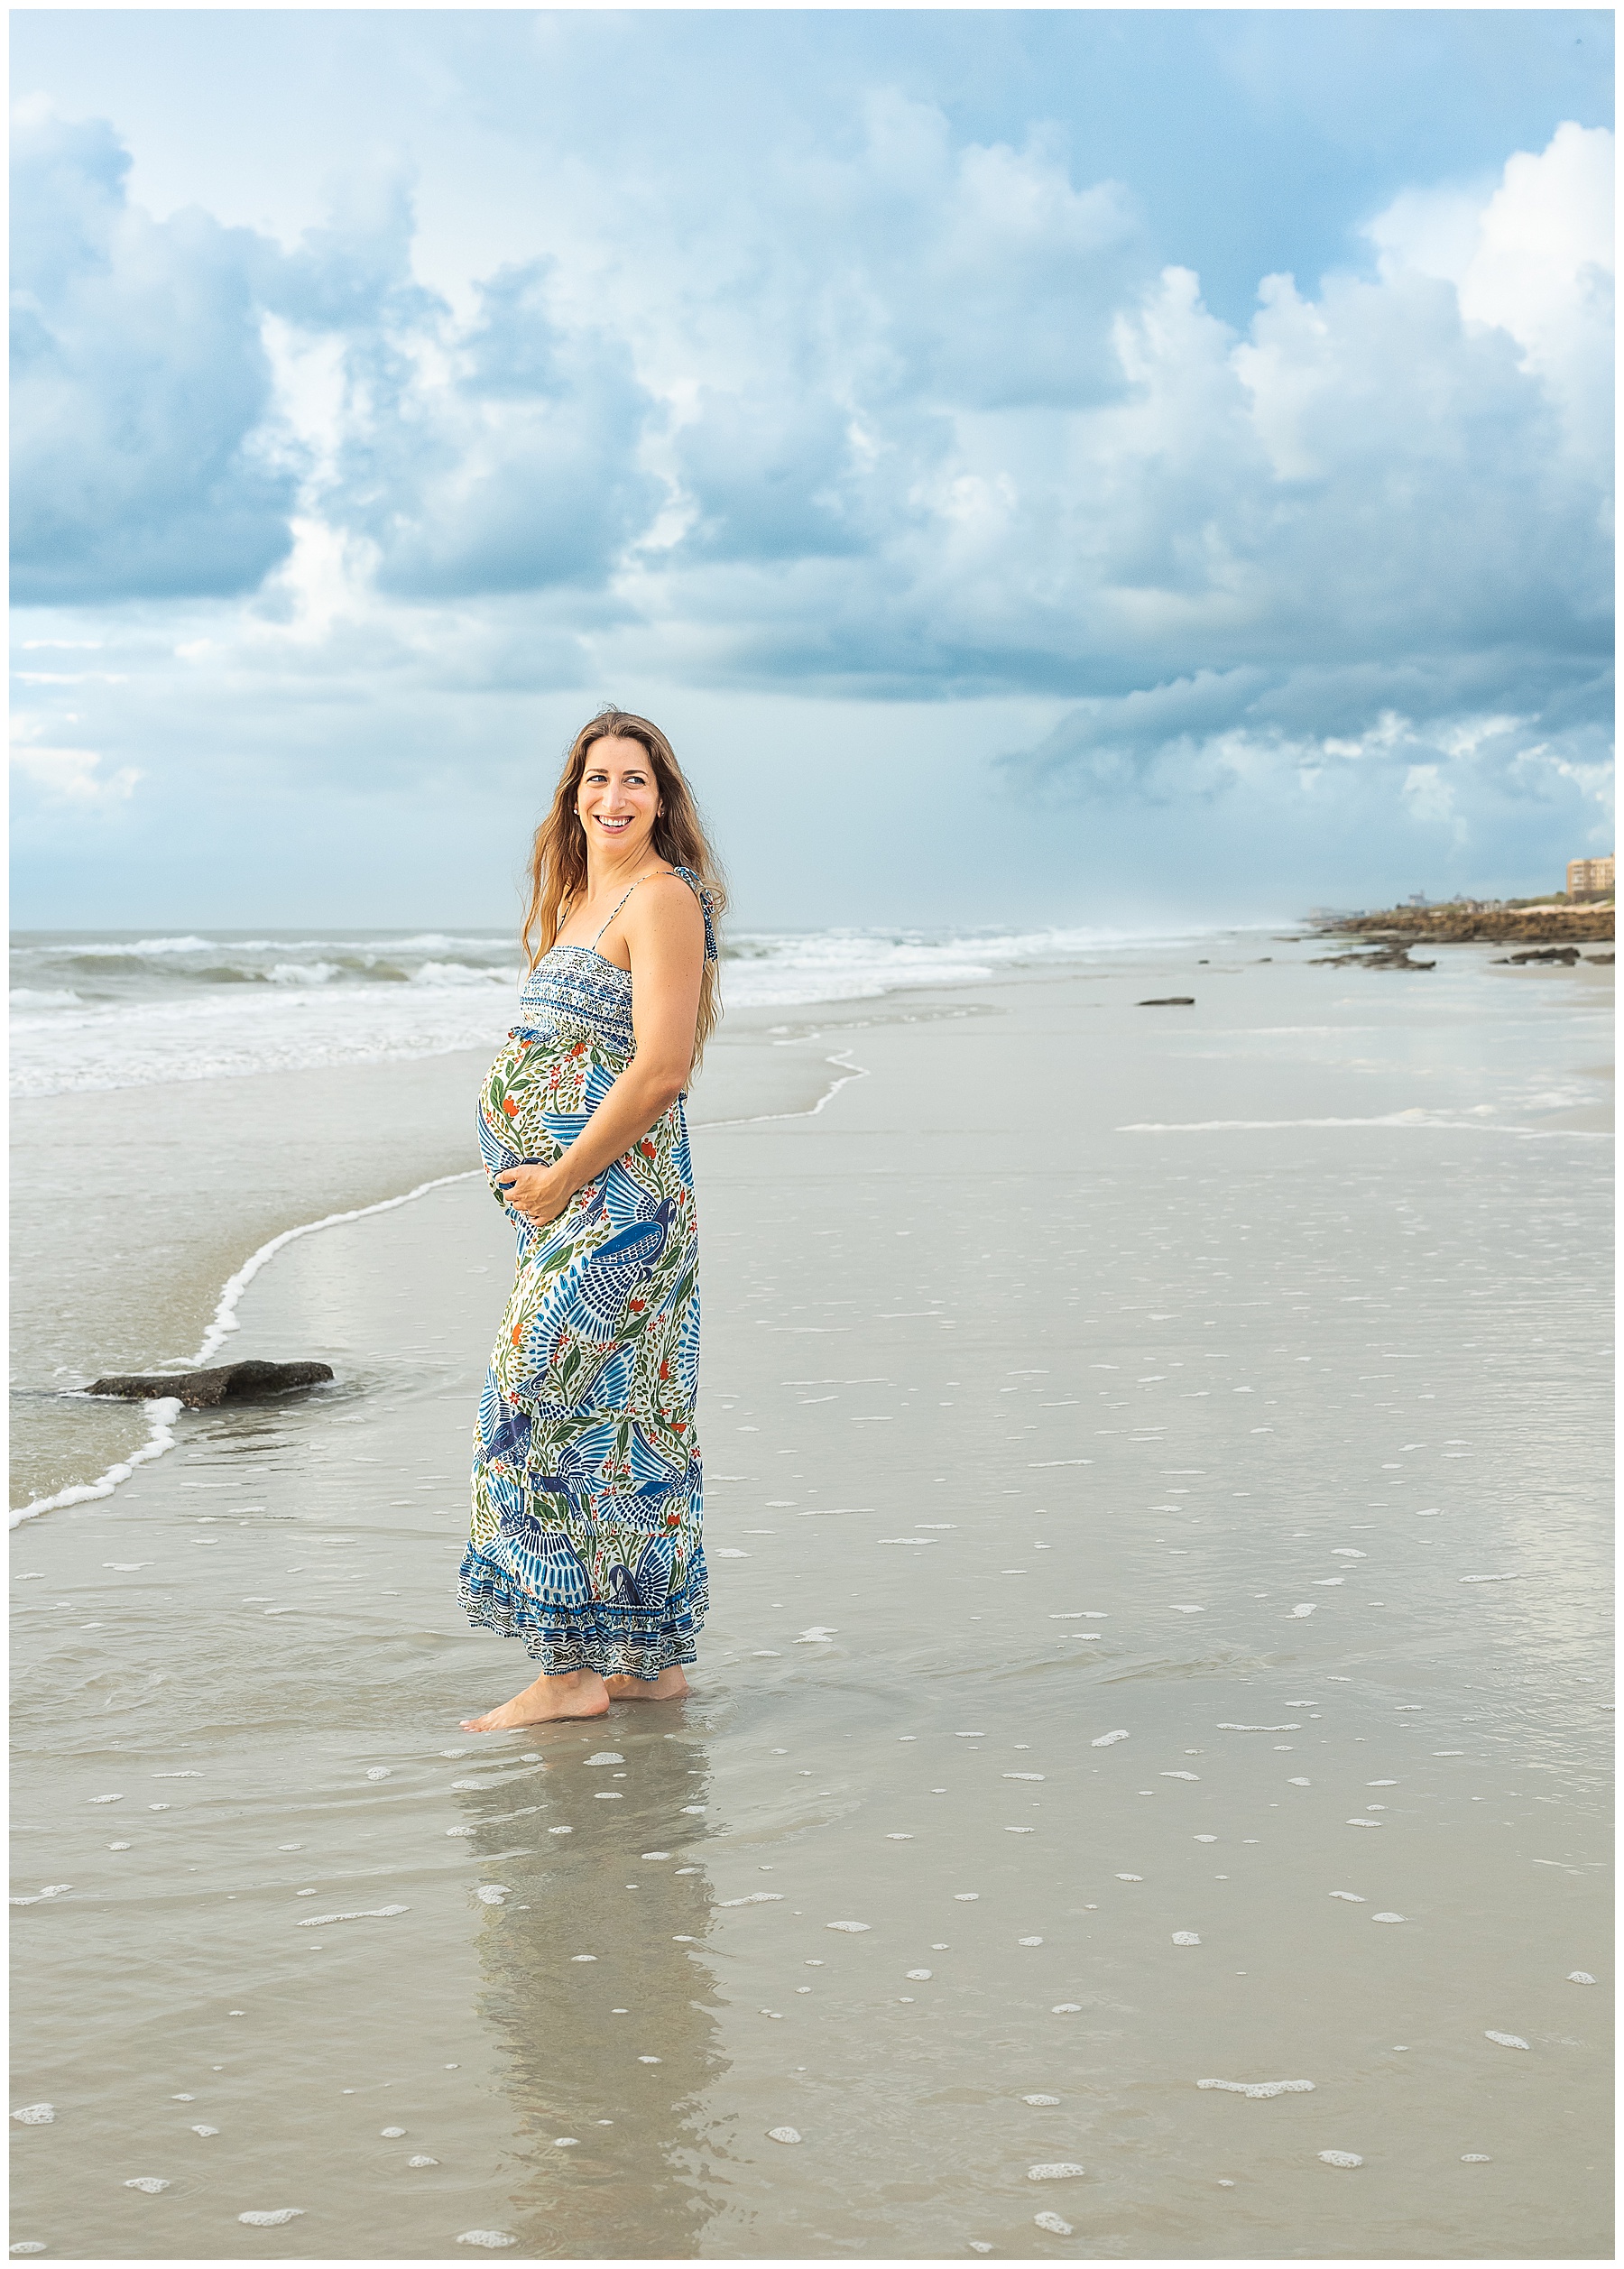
x: 594, y: 941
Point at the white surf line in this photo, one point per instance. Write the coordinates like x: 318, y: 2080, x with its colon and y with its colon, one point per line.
x: 225, y: 1315
x: 162, y: 1411
x: 843, y: 1062
x: 1412, y: 1120
x: 161, y: 1414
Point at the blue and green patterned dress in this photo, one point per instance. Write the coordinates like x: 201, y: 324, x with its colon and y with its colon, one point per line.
x: 584, y: 1540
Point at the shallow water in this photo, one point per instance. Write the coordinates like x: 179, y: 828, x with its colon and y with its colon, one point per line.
x: 1022, y: 1432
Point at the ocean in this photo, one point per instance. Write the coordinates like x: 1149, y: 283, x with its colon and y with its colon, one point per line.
x: 106, y: 1008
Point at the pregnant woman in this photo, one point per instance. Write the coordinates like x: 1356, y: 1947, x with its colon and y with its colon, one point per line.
x: 585, y: 1535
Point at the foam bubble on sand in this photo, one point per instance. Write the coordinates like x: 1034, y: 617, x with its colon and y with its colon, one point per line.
x: 1304, y: 1607
x: 150, y: 2184
x: 421, y: 2158
x: 378, y: 1773
x: 978, y: 2245
x: 1207, y: 1840
x: 650, y: 2060
x: 1130, y: 1879
x: 1507, y: 2040
x: 29, y: 2245
x: 205, y: 2131
x: 1041, y: 2099
x: 1189, y: 1611
x: 1514, y: 1577
x: 1347, y: 1551
x: 1052, y: 2171
x: 1181, y: 1776
x: 1261, y: 2089
x: 764, y: 1898
x: 1389, y: 1918
x: 552, y: 1832
x: 454, y: 1753
x: 1476, y: 2158
x: 1363, y: 1824
x: 487, y: 2237
x: 1226, y: 1726
x: 354, y: 1915
x: 116, y: 1799
x: 1580, y: 1978
x: 970, y: 1737
x: 1029, y: 1942
x: 471, y: 1832
x: 390, y: 2133
x: 35, y: 2115
x: 1104, y: 1740
x: 1356, y: 1897
x: 1054, y: 2222
x: 605, y: 1757
x: 782, y: 2134
x: 966, y: 1896
x: 1024, y: 1777
x: 1066, y: 2009
x: 491, y: 1893
x: 894, y: 1835
x: 583, y: 1958
x: 566, y: 2142
x: 653, y: 1855
x: 919, y: 1975
x: 118, y: 1846
x: 846, y: 1926
x: 1185, y: 1938
x: 1298, y: 1781
x: 1341, y: 2158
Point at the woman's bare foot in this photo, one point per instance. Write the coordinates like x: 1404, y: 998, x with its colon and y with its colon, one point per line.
x: 569, y: 1693
x: 670, y: 1686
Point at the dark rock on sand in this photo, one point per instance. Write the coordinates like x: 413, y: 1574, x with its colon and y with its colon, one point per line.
x: 1393, y: 956
x: 203, y: 1389
x: 1170, y: 1000
x: 1566, y: 955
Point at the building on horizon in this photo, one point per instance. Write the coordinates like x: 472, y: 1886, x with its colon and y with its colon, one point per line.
x: 1587, y: 878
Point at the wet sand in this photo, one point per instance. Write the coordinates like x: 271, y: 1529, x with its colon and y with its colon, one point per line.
x: 131, y: 1207
x: 1042, y: 1417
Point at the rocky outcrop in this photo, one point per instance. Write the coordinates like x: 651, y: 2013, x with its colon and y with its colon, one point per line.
x: 204, y: 1389
x: 1542, y: 925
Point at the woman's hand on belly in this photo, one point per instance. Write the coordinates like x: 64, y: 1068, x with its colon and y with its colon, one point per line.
x: 540, y: 1193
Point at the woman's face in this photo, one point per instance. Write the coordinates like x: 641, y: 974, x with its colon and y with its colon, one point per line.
x: 618, y: 798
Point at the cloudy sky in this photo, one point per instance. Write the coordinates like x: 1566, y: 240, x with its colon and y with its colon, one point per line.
x: 1062, y: 466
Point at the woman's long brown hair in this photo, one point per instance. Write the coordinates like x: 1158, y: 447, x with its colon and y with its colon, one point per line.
x: 558, y: 867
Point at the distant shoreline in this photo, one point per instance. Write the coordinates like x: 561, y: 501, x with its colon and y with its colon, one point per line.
x: 1544, y: 923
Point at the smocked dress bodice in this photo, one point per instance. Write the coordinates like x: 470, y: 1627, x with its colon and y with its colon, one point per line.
x: 574, y: 986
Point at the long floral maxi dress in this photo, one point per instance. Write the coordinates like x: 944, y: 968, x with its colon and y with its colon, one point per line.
x: 584, y: 1540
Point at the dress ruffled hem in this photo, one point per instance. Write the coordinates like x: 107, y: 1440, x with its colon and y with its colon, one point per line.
x: 615, y: 1641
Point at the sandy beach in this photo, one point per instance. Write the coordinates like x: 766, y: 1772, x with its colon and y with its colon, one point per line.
x: 1053, y: 1290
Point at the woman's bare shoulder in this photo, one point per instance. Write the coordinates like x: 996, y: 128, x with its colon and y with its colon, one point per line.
x: 664, y: 905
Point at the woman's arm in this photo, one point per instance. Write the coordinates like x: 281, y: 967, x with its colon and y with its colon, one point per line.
x: 665, y: 931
